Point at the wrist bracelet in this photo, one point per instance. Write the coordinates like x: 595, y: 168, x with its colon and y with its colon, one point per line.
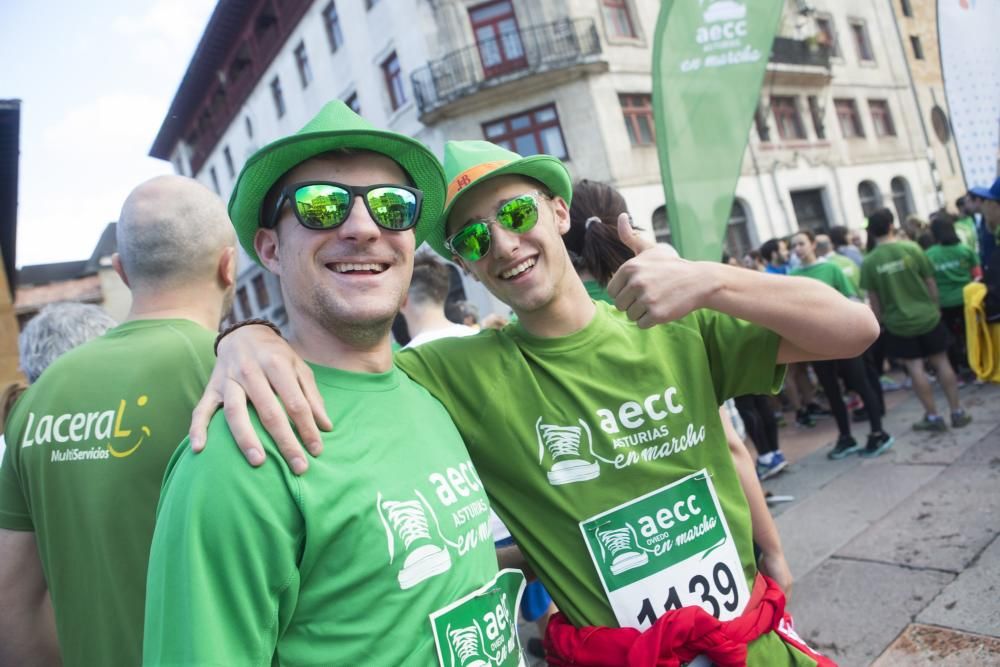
x: 233, y: 327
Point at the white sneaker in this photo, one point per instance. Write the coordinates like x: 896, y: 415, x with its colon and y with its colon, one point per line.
x: 562, y: 444
x: 625, y: 554
x: 424, y: 558
x: 467, y: 646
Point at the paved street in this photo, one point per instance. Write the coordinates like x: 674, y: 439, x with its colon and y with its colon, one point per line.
x: 897, y: 559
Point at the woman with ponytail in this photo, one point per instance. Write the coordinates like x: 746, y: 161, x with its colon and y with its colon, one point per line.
x: 592, y: 239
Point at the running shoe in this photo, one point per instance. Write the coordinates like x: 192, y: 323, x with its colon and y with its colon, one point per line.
x: 817, y: 410
x: 933, y: 423
x: 960, y: 419
x: 770, y: 465
x: 846, y: 445
x: 877, y: 444
x: 804, y: 419
x: 888, y: 384
x: 853, y: 402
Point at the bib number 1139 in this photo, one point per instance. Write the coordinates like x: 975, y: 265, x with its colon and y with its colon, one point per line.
x: 674, y: 543
x: 724, y: 595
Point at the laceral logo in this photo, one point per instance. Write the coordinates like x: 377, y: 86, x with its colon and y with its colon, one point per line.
x: 105, y: 427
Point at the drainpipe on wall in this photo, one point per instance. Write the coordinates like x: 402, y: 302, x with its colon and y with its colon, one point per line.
x: 781, y: 201
x: 760, y: 189
x: 928, y: 151
x: 839, y: 191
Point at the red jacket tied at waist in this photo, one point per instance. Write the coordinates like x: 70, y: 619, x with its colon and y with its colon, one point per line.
x: 677, y: 636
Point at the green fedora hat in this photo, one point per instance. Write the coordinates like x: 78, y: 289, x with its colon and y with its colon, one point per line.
x: 336, y: 126
x: 469, y: 163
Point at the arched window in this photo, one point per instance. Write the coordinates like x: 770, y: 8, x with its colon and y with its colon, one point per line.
x: 901, y: 197
x: 870, y: 196
x: 660, y: 227
x: 738, y: 241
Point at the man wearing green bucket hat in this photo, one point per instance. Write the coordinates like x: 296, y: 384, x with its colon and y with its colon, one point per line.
x: 599, y: 441
x: 383, y: 555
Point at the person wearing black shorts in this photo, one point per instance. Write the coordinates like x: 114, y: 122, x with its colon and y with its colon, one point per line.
x: 901, y: 289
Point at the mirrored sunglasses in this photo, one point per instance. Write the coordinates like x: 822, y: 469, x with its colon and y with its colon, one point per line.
x: 325, y: 205
x: 517, y: 215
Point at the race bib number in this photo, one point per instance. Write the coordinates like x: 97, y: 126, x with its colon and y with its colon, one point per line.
x: 481, y: 628
x: 669, y: 549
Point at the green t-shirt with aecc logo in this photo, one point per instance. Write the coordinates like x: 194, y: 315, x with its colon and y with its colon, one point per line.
x: 829, y: 273
x: 897, y: 272
x: 953, y: 266
x: 343, y: 565
x: 87, y: 445
x: 603, y: 453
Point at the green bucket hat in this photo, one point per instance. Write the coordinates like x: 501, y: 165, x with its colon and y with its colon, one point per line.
x: 469, y: 163
x: 335, y: 126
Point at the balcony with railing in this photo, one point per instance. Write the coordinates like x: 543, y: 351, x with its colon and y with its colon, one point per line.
x: 799, y: 62
x: 508, y: 56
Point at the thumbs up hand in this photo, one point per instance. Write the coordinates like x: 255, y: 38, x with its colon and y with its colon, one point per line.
x: 656, y: 285
x: 631, y: 237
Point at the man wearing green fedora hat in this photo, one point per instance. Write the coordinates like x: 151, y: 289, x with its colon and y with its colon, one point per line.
x: 598, y: 438
x: 382, y: 555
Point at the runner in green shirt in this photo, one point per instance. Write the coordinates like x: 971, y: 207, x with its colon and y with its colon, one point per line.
x: 902, y: 292
x: 824, y: 250
x: 382, y: 555
x: 851, y: 369
x: 88, y: 442
x: 955, y: 266
x: 602, y: 448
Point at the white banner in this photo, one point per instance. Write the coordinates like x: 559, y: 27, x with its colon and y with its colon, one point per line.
x: 970, y: 63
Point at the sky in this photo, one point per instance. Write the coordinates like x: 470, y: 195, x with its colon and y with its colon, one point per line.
x: 95, y: 80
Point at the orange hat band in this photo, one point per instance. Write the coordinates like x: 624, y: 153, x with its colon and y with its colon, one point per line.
x: 470, y: 175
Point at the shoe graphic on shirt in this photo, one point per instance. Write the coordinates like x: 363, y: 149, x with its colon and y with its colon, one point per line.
x: 406, y: 520
x: 467, y: 648
x: 619, y: 545
x: 562, y: 445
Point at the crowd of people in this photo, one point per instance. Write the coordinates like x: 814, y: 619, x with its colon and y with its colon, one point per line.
x: 914, y: 277
x: 352, y: 504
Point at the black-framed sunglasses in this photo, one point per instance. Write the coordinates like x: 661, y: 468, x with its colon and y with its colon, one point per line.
x: 518, y: 215
x: 325, y: 205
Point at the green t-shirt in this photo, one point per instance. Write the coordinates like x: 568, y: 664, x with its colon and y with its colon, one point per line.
x: 829, y: 273
x: 966, y: 230
x: 562, y: 430
x: 953, y: 266
x: 851, y: 270
x: 897, y: 272
x: 596, y: 291
x: 341, y: 566
x: 87, y: 447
